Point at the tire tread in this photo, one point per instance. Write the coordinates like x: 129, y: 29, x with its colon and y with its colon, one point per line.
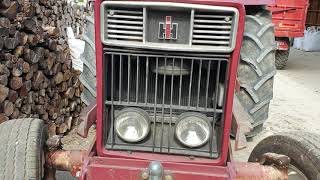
x: 22, y: 141
x: 282, y: 59
x: 257, y: 67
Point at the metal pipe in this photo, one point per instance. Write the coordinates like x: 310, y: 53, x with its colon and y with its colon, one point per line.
x: 255, y: 171
x: 66, y: 160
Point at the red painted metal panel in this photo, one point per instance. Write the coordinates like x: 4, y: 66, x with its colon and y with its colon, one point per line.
x: 289, y: 17
x: 124, y: 169
x: 168, y: 27
x: 98, y: 168
x: 229, y: 100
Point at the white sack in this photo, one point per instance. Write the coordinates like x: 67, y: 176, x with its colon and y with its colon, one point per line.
x: 311, y: 40
x: 76, y: 49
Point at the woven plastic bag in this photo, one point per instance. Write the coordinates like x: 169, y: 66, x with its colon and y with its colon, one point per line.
x: 311, y: 39
x: 298, y: 42
x: 76, y: 49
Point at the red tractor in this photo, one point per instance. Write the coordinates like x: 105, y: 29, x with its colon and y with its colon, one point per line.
x: 166, y: 78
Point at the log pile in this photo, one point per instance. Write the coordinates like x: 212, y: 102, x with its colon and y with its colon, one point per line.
x: 36, y: 75
x: 62, y: 14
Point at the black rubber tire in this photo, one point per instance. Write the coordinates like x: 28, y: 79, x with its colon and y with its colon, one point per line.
x: 302, y: 148
x: 257, y: 68
x: 88, y: 76
x: 21, y: 149
x: 282, y: 59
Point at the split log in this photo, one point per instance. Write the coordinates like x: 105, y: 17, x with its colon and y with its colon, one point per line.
x: 11, y: 11
x: 8, y: 108
x: 5, y: 22
x: 5, y: 4
x: 3, y: 118
x: 16, y: 83
x: 4, y: 92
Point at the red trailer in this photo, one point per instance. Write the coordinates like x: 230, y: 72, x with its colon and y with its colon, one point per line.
x: 289, y: 17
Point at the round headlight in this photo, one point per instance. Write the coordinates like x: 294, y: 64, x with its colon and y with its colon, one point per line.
x: 132, y: 124
x: 193, y: 129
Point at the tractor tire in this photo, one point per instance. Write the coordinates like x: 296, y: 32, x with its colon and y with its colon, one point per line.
x: 21, y: 149
x: 257, y: 68
x: 302, y: 148
x: 282, y: 59
x: 88, y: 76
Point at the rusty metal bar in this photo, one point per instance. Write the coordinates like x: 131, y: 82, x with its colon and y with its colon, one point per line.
x: 255, y: 171
x: 66, y: 160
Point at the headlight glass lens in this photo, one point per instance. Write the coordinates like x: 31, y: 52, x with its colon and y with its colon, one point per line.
x: 193, y: 129
x: 132, y: 124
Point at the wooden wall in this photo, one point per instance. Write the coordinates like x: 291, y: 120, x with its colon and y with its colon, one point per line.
x: 313, y: 18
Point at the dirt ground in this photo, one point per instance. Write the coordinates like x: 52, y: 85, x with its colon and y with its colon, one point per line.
x: 295, y: 107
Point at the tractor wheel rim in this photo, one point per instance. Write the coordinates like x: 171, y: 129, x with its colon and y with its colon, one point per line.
x: 295, y: 174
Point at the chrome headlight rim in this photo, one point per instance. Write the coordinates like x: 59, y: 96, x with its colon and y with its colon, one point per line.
x: 138, y: 111
x: 203, y: 117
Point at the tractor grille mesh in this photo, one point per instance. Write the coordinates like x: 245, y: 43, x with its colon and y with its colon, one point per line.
x: 138, y: 79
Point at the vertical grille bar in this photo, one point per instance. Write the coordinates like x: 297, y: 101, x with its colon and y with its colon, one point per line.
x: 180, y: 86
x: 199, y: 83
x: 190, y: 84
x: 155, y: 105
x: 171, y: 95
x: 120, y: 78
x: 163, y: 102
x: 129, y: 70
x: 207, y: 85
x: 137, y: 80
x: 112, y: 107
x: 215, y: 95
x: 147, y: 79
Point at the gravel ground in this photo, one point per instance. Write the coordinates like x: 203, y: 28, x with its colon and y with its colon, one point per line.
x: 295, y: 107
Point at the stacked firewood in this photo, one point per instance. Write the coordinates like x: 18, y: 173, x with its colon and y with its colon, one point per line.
x: 62, y: 14
x: 36, y: 75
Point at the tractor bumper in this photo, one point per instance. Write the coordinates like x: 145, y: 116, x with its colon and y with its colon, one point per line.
x: 89, y: 167
x: 109, y: 168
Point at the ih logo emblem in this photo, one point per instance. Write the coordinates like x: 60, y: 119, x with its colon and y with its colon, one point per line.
x: 168, y: 30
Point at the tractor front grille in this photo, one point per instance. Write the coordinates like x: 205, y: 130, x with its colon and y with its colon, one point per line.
x: 199, y: 28
x: 134, y: 78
